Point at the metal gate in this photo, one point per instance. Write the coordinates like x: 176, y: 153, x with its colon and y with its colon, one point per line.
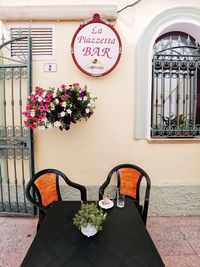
x: 16, y: 140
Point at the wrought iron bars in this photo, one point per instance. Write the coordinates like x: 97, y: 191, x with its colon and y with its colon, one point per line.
x: 175, y: 89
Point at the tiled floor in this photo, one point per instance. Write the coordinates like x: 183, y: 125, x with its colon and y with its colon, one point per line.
x: 176, y: 238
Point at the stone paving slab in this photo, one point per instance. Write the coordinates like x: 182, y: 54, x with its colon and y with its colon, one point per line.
x: 176, y: 238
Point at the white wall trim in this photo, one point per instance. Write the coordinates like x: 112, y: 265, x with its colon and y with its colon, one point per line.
x: 142, y: 97
x: 56, y: 12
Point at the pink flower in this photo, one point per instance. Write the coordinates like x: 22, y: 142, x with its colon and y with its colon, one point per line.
x: 40, y: 93
x: 25, y: 113
x: 49, y: 95
x: 42, y: 108
x: 27, y: 124
x: 63, y: 97
x: 29, y: 117
x: 42, y: 115
x: 32, y: 126
x: 63, y: 86
x: 76, y: 84
x: 29, y: 106
x: 35, y: 119
x: 48, y: 100
x: 46, y: 106
x: 33, y: 99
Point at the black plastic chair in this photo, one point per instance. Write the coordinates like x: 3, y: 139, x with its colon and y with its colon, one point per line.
x: 44, y: 188
x: 129, y: 178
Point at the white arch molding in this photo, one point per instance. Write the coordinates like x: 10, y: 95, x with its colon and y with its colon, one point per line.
x: 182, y: 18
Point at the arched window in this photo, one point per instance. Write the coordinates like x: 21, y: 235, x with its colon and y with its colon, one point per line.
x: 175, y: 86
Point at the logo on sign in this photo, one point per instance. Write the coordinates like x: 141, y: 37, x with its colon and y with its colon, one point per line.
x: 96, y: 47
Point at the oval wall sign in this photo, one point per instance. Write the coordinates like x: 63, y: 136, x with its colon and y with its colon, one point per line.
x: 96, y: 47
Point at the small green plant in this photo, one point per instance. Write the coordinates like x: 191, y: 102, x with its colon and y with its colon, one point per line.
x: 89, y: 213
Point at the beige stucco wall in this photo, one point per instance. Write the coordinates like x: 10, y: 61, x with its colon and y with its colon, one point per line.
x: 90, y: 149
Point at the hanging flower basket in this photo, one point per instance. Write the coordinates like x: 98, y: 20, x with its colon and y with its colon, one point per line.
x: 58, y: 107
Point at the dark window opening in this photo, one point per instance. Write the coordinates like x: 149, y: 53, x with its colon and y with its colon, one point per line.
x: 175, y: 86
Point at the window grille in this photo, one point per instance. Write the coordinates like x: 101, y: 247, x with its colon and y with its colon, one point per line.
x: 176, y: 87
x: 42, y: 41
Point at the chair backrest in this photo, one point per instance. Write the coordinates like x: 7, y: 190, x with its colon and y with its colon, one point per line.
x: 43, y: 188
x: 129, y: 178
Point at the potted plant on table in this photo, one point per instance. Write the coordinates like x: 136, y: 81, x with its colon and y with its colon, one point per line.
x: 89, y: 219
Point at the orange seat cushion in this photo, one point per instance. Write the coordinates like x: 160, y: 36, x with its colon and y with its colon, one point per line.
x: 46, y: 185
x: 128, y: 181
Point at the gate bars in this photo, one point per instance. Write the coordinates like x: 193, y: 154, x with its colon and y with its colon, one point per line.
x: 16, y: 141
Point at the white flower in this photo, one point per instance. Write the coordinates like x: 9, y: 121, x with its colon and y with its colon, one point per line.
x: 87, y: 88
x: 44, y: 120
x: 52, y: 107
x: 87, y: 110
x: 32, y: 113
x: 62, y: 114
x: 89, y: 104
x: 40, y: 99
x: 64, y: 104
x: 79, y: 98
x: 91, y: 101
x: 54, y: 95
x: 49, y: 125
x: 93, y: 96
x: 43, y: 94
x: 69, y: 111
x: 85, y: 98
x: 56, y: 101
x: 57, y: 124
x: 42, y: 127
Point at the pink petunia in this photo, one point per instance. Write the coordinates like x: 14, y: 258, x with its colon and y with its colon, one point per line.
x: 76, y: 84
x: 29, y: 106
x: 42, y: 115
x: 42, y: 108
x: 35, y: 119
x: 29, y: 117
x: 26, y: 124
x: 63, y: 86
x: 40, y: 93
x: 33, y: 99
x: 48, y: 100
x: 46, y: 106
x: 25, y: 113
x: 32, y: 126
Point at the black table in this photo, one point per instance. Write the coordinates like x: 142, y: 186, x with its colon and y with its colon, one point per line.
x: 123, y: 242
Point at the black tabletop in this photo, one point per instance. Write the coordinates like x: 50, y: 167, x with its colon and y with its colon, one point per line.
x: 123, y: 242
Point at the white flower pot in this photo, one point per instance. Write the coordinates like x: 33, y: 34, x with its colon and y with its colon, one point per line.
x: 89, y: 230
